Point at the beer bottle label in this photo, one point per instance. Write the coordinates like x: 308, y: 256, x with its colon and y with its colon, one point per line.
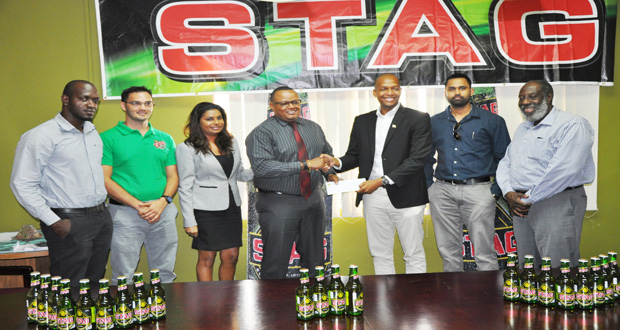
x: 42, y: 315
x: 31, y: 305
x: 511, y: 289
x: 528, y: 292
x: 105, y: 318
x: 83, y: 318
x: 322, y: 303
x: 123, y: 315
x: 158, y: 307
x: 51, y: 316
x: 65, y: 318
x: 566, y: 296
x: 305, y: 307
x: 546, y: 295
x: 583, y: 297
x: 140, y: 310
x: 336, y: 301
x: 599, y: 294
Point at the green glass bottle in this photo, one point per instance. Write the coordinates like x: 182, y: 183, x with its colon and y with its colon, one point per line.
x: 303, y: 297
x: 605, y: 271
x: 157, y: 297
x: 42, y: 300
x: 104, y: 319
x: 139, y: 300
x: 85, y: 307
x: 598, y: 290
x: 583, y: 287
x: 528, y: 285
x: 52, y: 303
x: 615, y: 273
x: 354, y: 293
x: 66, y: 307
x: 546, y: 284
x: 319, y: 293
x: 123, y: 311
x: 336, y: 292
x: 565, y: 287
x: 511, y: 279
x: 31, y: 297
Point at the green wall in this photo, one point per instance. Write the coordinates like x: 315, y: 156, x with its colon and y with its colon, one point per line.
x: 45, y: 44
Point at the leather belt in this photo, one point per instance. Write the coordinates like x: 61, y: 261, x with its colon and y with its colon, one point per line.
x: 115, y: 202
x: 469, y: 181
x: 92, y: 209
x: 568, y: 188
x: 263, y: 191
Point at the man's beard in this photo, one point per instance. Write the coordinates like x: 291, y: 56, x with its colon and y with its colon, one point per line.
x: 540, y: 111
x: 459, y: 103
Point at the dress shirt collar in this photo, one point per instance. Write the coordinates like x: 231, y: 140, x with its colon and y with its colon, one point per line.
x: 547, y: 121
x: 299, y: 121
x: 65, y: 125
x: 125, y: 130
x: 390, y: 113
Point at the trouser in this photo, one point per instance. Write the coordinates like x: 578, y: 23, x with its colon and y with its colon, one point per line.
x: 84, y: 252
x: 382, y: 218
x: 552, y: 228
x: 160, y: 241
x: 285, y: 219
x: 453, y: 206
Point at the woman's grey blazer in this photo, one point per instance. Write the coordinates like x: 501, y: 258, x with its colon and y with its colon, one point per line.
x: 203, y: 184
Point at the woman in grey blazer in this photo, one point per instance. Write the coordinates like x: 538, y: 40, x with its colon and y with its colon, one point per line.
x: 209, y: 166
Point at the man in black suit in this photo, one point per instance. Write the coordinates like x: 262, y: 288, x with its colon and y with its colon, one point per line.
x: 390, y: 146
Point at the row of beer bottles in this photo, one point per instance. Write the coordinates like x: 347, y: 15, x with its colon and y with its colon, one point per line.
x: 334, y: 298
x: 593, y: 286
x: 49, y: 303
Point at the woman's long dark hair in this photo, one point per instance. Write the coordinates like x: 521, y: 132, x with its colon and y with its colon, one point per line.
x: 197, y: 139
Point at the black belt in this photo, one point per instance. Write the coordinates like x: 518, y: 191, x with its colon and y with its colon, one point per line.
x: 469, y: 181
x: 115, y: 202
x: 263, y: 191
x: 92, y: 209
x: 568, y: 188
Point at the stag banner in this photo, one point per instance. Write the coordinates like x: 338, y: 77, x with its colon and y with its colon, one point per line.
x: 192, y: 47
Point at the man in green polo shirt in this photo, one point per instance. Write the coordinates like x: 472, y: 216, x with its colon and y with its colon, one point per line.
x: 140, y: 172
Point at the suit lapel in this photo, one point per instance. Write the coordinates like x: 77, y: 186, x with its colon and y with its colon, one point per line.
x: 398, y: 117
x: 371, y: 129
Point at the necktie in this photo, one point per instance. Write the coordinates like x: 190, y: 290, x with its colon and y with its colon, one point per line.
x: 302, y: 153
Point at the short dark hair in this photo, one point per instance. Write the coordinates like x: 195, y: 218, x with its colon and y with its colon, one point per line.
x: 70, y: 86
x: 457, y: 75
x: 134, y: 89
x: 281, y: 88
x: 197, y: 139
x: 545, y: 87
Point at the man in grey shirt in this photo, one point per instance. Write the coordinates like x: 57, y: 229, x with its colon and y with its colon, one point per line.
x: 57, y: 178
x: 284, y: 152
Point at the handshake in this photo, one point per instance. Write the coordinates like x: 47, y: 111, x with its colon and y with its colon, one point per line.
x: 324, y: 162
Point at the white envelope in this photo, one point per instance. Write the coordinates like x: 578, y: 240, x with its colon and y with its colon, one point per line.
x: 344, y: 186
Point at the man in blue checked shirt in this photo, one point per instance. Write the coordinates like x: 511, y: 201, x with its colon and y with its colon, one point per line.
x: 542, y: 177
x: 469, y: 142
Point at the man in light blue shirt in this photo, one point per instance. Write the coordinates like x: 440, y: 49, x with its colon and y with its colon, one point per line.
x: 542, y: 177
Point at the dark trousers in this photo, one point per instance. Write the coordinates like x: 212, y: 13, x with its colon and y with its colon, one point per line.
x: 84, y: 252
x: 285, y: 218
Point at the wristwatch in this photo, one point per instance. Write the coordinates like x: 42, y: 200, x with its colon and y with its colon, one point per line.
x: 168, y: 198
x: 385, y: 181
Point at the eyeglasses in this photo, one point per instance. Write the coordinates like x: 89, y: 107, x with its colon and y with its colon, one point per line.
x: 455, y: 132
x: 286, y: 103
x: 86, y: 99
x: 147, y: 104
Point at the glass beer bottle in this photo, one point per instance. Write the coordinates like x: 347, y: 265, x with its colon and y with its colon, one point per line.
x: 319, y: 293
x: 31, y: 297
x: 565, y: 298
x: 104, y: 319
x: 615, y: 273
x: 583, y: 287
x: 598, y: 291
x: 511, y: 279
x: 52, y: 303
x: 66, y: 307
x: 123, y: 312
x: 303, y: 297
x: 354, y: 293
x: 139, y: 300
x: 42, y: 300
x: 157, y: 297
x: 84, y: 307
x: 546, y: 284
x: 605, y: 271
x: 336, y: 292
x: 528, y: 281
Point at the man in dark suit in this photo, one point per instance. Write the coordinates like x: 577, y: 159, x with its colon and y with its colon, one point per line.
x: 390, y: 146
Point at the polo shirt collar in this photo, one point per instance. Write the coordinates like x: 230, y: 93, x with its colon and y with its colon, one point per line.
x: 65, y: 125
x: 124, y: 129
x: 475, y: 112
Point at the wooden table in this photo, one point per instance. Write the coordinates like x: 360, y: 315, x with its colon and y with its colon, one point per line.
x: 424, y: 301
x: 38, y: 260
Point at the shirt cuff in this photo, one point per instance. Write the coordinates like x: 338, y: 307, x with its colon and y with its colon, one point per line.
x: 389, y: 180
x: 338, y: 167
